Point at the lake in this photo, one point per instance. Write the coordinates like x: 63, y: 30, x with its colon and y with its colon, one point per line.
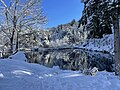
x: 72, y: 59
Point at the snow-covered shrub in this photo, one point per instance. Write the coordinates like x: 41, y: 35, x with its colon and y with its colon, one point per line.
x: 118, y: 70
x: 90, y: 71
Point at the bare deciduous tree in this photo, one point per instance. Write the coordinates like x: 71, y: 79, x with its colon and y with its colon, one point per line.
x: 18, y: 15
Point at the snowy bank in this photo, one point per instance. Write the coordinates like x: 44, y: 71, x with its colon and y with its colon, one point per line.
x: 18, y: 56
x: 104, y: 44
x: 17, y: 75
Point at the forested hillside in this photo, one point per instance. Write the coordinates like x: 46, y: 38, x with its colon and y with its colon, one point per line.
x: 96, y: 22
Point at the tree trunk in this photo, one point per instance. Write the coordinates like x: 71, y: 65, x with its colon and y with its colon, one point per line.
x: 116, y: 23
x: 12, y: 41
x: 17, y: 42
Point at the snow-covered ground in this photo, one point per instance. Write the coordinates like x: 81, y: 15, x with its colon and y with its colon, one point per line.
x: 104, y: 44
x: 15, y: 74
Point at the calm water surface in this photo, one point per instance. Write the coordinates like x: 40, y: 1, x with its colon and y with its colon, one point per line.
x: 72, y: 59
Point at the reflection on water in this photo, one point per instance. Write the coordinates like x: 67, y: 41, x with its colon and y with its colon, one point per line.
x: 4, y: 55
x: 72, y: 59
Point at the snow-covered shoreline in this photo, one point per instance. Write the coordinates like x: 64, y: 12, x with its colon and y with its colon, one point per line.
x: 16, y: 74
x: 105, y: 44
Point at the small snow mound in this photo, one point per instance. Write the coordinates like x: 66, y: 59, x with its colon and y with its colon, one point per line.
x: 94, y: 71
x: 1, y: 75
x: 18, y: 56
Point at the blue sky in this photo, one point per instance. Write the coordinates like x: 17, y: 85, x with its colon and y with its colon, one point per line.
x: 62, y: 11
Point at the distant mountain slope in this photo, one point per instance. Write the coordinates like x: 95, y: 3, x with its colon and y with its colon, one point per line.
x: 66, y: 34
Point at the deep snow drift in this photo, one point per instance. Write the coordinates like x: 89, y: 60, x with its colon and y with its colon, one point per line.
x: 20, y: 75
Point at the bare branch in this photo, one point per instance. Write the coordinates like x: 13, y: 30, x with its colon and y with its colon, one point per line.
x: 6, y: 7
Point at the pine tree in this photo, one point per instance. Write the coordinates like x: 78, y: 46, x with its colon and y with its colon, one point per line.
x: 72, y: 22
x: 96, y: 18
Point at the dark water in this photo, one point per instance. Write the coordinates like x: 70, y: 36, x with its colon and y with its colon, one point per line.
x: 72, y: 59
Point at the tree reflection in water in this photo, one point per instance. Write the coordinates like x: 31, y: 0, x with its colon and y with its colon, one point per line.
x: 72, y: 59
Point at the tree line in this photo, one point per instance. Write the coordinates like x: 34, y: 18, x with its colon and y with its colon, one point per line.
x: 98, y: 18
